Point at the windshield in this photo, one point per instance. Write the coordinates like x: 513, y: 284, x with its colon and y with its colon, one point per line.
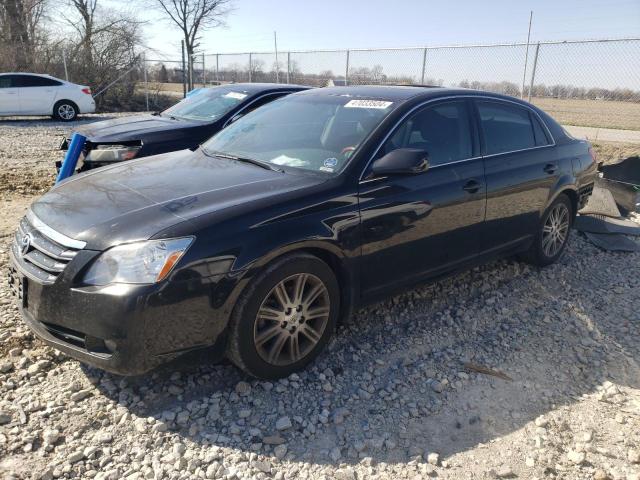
x: 311, y: 132
x: 208, y: 104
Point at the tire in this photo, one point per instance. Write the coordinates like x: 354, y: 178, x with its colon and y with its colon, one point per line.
x: 547, y: 246
x: 65, y: 110
x: 264, y: 345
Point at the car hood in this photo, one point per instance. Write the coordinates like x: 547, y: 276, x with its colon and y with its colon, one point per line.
x: 134, y: 200
x: 132, y: 128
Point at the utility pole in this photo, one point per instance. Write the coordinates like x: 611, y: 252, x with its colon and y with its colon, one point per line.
x: 526, y: 57
x: 184, y: 78
x: 275, y: 45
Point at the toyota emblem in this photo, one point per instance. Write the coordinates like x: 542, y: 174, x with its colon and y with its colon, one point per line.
x: 25, y: 244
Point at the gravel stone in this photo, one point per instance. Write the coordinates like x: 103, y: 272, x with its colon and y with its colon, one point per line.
x: 283, y: 423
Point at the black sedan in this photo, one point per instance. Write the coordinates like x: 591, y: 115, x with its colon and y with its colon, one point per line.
x: 279, y: 226
x: 185, y: 125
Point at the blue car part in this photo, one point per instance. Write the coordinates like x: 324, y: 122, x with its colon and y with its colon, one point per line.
x: 71, y: 158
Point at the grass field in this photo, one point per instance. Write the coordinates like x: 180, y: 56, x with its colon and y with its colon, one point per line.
x: 592, y: 113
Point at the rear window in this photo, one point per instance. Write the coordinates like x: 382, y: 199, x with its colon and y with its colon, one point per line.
x: 506, y: 128
x: 6, y: 82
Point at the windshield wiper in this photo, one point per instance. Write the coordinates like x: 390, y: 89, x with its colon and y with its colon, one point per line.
x: 253, y: 161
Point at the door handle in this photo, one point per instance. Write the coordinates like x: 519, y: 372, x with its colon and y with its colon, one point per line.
x: 550, y: 168
x: 472, y: 186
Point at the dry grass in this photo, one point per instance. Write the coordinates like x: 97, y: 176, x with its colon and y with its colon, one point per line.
x: 611, y: 152
x: 592, y: 113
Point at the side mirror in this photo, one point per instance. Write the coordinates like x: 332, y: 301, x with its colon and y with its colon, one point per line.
x: 402, y: 161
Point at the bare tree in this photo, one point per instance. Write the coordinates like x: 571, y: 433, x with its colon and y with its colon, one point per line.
x: 20, y: 27
x: 193, y: 17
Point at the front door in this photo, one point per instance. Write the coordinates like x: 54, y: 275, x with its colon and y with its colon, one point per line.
x: 416, y: 226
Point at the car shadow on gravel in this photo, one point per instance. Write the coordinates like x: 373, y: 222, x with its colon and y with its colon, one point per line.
x: 403, y: 377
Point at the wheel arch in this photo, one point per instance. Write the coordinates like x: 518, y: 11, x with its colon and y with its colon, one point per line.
x: 65, y: 100
x: 325, y: 251
x: 566, y: 185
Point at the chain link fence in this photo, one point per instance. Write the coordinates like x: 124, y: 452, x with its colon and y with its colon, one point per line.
x: 593, y: 83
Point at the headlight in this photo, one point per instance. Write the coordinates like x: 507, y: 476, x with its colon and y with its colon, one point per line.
x: 112, y: 153
x: 141, y: 262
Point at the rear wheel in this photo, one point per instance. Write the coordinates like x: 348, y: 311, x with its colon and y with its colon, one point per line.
x: 65, y: 110
x: 285, y: 317
x: 553, y: 233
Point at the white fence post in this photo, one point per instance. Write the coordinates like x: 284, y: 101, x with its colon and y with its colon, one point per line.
x: 346, y: 71
x: 424, y: 64
x: 64, y: 61
x: 146, y: 83
x: 533, y: 70
x: 288, y: 67
x: 250, y: 66
x: 204, y: 72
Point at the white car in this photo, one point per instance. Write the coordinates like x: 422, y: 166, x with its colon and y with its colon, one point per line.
x: 35, y: 94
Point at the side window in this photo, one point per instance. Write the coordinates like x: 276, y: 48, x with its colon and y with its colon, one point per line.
x: 35, y: 81
x: 6, y: 81
x: 538, y: 131
x: 442, y: 130
x: 506, y: 128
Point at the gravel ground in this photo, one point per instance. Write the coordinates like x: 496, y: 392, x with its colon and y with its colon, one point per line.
x: 501, y: 372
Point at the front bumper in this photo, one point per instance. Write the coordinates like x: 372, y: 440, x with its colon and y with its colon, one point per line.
x: 124, y: 329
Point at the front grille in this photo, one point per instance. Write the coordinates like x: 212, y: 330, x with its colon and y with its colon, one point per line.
x: 42, y: 254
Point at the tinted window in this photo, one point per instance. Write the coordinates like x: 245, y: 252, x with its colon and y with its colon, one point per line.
x: 538, y: 131
x: 34, y: 81
x: 442, y: 130
x: 506, y: 128
x: 6, y: 81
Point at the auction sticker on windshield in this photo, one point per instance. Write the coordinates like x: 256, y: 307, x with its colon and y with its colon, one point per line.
x: 382, y: 104
x: 236, y: 95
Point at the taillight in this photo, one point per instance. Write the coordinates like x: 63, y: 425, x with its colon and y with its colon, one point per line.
x: 87, y: 91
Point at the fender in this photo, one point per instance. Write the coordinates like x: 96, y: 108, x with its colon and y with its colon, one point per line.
x: 343, y: 266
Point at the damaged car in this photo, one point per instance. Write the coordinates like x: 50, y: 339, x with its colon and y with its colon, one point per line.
x: 183, y: 126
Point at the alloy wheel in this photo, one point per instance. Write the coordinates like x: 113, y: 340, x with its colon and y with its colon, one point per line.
x: 66, y: 112
x: 555, y: 230
x: 292, y: 319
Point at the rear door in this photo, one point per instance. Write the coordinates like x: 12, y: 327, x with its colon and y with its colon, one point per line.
x: 37, y: 94
x: 416, y: 226
x: 9, y: 95
x: 521, y: 169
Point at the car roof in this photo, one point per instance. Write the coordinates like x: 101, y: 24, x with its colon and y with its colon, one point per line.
x: 252, y: 88
x: 29, y: 73
x: 401, y: 93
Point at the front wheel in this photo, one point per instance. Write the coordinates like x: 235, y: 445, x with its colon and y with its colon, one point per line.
x: 553, y: 233
x: 65, y: 110
x: 284, y: 318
